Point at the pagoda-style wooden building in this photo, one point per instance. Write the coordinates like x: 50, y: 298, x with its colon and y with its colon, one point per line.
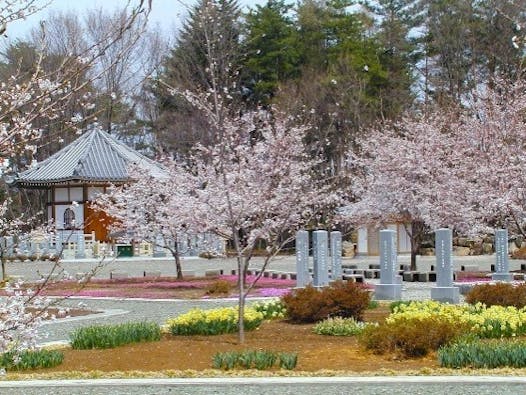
x: 78, y: 173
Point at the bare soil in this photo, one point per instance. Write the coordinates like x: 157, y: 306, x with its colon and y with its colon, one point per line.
x: 315, y: 352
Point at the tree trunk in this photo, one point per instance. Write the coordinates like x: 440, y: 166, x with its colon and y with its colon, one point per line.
x: 241, y: 312
x: 4, y: 274
x: 178, y: 267
x: 417, y: 235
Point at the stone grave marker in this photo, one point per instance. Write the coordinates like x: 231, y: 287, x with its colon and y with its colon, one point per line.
x: 80, y: 246
x: 336, y: 255
x: 444, y: 290
x: 158, y: 250
x: 389, y: 287
x: 502, y: 265
x: 320, y: 254
x: 302, y: 259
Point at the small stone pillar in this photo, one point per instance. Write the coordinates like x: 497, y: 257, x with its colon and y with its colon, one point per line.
x: 336, y: 255
x: 502, y: 265
x: 444, y: 291
x: 158, y: 250
x: 302, y: 259
x: 389, y: 287
x: 320, y: 254
x: 80, y: 246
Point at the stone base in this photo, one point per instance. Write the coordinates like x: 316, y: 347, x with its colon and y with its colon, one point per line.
x: 502, y: 277
x: 80, y: 255
x: 388, y: 291
x: 446, y: 294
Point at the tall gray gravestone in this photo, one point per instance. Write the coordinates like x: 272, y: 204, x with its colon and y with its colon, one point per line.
x: 444, y: 291
x: 336, y: 255
x: 80, y: 246
x: 320, y: 255
x: 502, y: 265
x: 158, y: 249
x: 389, y: 287
x: 302, y: 259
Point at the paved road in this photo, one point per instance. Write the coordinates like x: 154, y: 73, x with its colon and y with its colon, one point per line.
x: 451, y: 385
x: 136, y: 266
x: 113, y: 311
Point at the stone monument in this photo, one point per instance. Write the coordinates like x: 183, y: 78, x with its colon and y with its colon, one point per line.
x: 302, y: 259
x: 502, y: 265
x: 320, y: 255
x: 389, y: 287
x: 336, y: 255
x: 444, y: 291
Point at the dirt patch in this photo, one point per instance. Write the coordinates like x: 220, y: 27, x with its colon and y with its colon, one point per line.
x: 315, y: 352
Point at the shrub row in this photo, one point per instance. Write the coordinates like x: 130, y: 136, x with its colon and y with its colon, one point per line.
x: 483, y: 354
x: 213, y: 322
x: 416, y: 328
x: 31, y: 359
x: 109, y: 336
x: 254, y: 359
x: 499, y: 294
x: 411, y: 337
x: 342, y: 299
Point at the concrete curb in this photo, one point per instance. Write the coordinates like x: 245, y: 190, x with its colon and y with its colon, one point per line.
x: 268, y: 381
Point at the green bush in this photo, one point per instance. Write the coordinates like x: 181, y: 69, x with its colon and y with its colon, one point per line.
x: 213, y: 321
x: 254, y: 359
x: 270, y: 309
x: 339, y: 326
x: 487, y: 354
x: 341, y: 299
x: 31, y: 359
x: 110, y: 336
x: 500, y: 294
x: 411, y: 337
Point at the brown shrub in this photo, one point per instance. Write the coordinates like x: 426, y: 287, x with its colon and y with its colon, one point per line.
x: 410, y: 337
x: 500, y: 294
x: 219, y: 287
x: 311, y: 304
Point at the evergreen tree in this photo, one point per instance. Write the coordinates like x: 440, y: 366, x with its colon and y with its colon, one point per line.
x: 271, y: 45
x: 205, y: 58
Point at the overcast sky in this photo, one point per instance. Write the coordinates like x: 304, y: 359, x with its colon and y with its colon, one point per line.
x: 168, y: 14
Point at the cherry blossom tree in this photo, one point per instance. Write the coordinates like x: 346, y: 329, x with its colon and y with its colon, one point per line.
x: 155, y: 207
x: 258, y: 187
x: 492, y: 135
x: 410, y: 172
x: 27, y: 102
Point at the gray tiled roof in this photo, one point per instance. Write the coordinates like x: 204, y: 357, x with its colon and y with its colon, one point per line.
x: 96, y: 156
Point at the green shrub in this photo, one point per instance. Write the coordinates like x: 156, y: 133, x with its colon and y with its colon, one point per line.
x: 219, y: 287
x: 254, y: 359
x: 31, y: 359
x: 500, y: 294
x: 483, y: 354
x: 411, y: 337
x: 373, y: 304
x: 341, y: 299
x: 339, y: 326
x: 213, y: 322
x: 110, y: 336
x: 273, y: 309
